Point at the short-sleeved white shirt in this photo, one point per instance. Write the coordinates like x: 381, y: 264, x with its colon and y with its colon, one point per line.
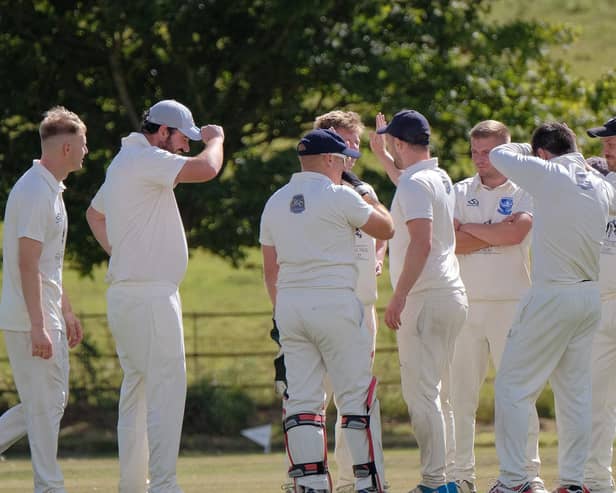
x: 571, y: 207
x: 495, y: 273
x: 607, y: 261
x: 425, y: 191
x: 35, y: 209
x: 311, y: 222
x: 144, y: 226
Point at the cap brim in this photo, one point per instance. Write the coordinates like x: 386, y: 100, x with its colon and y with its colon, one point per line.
x: 382, y: 130
x: 193, y: 133
x: 351, y: 153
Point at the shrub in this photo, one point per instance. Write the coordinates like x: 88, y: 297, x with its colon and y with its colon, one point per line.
x: 216, y: 410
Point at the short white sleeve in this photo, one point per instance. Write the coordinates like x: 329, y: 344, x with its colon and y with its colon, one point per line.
x: 98, y: 202
x: 162, y: 166
x: 356, y: 210
x: 33, y: 218
x: 415, y: 200
x: 265, y: 236
x: 460, y: 199
x: 525, y: 204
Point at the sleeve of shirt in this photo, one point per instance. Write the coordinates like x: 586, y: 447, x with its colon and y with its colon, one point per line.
x: 33, y: 218
x: 415, y: 200
x: 525, y: 204
x: 515, y: 162
x: 265, y: 235
x: 356, y: 210
x: 98, y: 201
x: 162, y: 167
x: 460, y: 200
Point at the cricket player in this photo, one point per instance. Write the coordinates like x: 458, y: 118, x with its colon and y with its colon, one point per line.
x: 35, y: 314
x: 135, y: 218
x: 598, y: 470
x: 551, y: 335
x: 369, y: 256
x: 429, y: 304
x: 492, y: 219
x: 307, y: 237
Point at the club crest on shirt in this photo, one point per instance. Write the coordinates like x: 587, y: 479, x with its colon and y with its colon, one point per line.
x: 447, y: 186
x: 298, y: 205
x: 358, y: 233
x: 505, y: 206
x: 581, y: 178
x: 472, y: 203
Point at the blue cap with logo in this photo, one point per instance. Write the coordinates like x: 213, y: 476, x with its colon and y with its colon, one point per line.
x: 409, y: 126
x: 324, y: 141
x: 607, y: 130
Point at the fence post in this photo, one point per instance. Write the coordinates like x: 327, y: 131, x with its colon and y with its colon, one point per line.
x: 195, y: 346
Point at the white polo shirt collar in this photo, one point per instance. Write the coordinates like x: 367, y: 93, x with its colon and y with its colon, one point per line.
x: 310, y: 175
x: 135, y: 139
x: 476, y: 184
x: 431, y: 163
x: 55, y: 185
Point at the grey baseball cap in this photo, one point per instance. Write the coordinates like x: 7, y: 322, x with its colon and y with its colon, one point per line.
x: 174, y: 114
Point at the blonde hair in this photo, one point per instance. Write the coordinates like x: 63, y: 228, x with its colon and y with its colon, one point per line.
x: 347, y: 120
x: 58, y: 121
x: 490, y: 128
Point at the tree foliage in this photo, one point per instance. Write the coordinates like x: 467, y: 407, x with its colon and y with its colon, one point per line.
x: 264, y: 69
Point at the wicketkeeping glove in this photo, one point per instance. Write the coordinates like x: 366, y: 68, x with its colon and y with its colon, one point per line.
x: 280, y: 371
x: 360, y: 187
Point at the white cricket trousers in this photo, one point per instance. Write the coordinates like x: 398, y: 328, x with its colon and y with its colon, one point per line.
x: 322, y: 331
x: 344, y: 460
x: 550, y: 340
x: 598, y: 470
x: 146, y: 322
x: 43, y: 390
x: 426, y: 341
x: 483, y: 336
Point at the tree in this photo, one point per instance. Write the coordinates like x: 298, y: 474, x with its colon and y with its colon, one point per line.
x: 263, y: 69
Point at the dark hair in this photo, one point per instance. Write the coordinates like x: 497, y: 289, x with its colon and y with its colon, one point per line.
x: 148, y: 127
x: 556, y: 138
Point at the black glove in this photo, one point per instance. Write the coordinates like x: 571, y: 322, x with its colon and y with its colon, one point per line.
x: 599, y: 164
x: 275, y: 333
x: 280, y: 371
x: 360, y: 187
x: 352, y: 179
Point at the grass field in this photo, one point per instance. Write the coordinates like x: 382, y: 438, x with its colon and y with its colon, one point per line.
x: 593, y: 52
x: 254, y: 472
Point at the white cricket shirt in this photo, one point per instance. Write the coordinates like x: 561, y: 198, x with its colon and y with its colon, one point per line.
x: 144, y: 226
x: 571, y: 207
x: 425, y: 192
x: 495, y: 273
x: 607, y: 261
x: 35, y: 209
x: 311, y: 222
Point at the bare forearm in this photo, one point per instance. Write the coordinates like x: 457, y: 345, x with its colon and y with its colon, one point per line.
x: 467, y: 243
x: 387, y: 161
x: 497, y: 234
x: 31, y: 286
x: 414, y: 263
x: 98, y: 226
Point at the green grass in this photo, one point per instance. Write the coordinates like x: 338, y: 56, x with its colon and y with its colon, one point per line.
x: 235, y: 473
x: 593, y: 53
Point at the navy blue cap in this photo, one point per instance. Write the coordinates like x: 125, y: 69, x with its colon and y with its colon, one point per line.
x: 324, y: 141
x: 607, y: 130
x: 409, y: 126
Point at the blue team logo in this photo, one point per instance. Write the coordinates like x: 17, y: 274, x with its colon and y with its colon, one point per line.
x: 472, y: 203
x: 505, y: 206
x: 447, y: 186
x: 298, y: 205
x: 358, y: 233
